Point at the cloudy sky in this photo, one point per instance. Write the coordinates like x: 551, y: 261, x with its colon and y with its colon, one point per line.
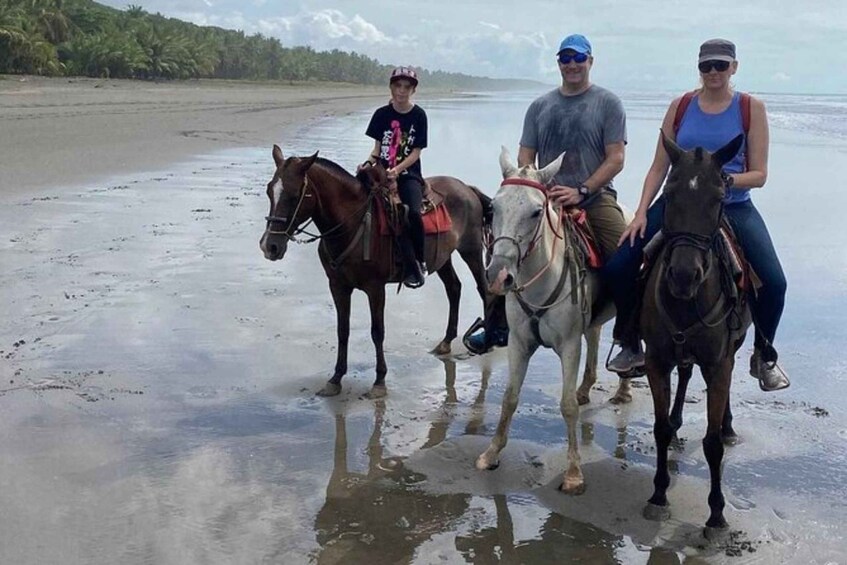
x: 783, y: 46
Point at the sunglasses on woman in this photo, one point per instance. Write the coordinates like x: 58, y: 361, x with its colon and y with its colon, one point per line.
x: 707, y: 66
x: 576, y: 58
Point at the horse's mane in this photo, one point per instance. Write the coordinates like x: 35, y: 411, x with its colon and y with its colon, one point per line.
x: 338, y: 172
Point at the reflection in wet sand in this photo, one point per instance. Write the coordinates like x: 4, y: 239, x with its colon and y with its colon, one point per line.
x: 378, y: 516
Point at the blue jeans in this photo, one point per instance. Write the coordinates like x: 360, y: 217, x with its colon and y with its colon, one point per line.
x: 621, y: 271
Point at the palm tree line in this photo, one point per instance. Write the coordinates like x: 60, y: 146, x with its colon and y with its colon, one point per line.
x: 84, y: 38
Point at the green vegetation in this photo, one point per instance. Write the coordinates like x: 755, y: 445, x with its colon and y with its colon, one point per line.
x: 82, y: 37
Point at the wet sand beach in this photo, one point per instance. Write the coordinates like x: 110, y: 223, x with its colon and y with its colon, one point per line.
x: 64, y: 131
x: 157, y: 374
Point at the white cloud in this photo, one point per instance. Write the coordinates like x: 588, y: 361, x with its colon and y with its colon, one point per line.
x: 325, y: 29
x: 781, y: 77
x: 489, y: 24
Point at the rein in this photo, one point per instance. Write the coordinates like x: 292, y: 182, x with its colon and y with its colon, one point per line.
x: 364, y: 224
x: 719, y: 311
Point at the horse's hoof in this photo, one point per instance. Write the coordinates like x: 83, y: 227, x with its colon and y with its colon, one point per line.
x: 330, y: 389
x: 621, y: 398
x: 582, y: 399
x: 716, y: 534
x: 656, y: 513
x: 731, y: 440
x: 377, y: 391
x: 484, y: 464
x: 442, y: 348
x: 572, y: 488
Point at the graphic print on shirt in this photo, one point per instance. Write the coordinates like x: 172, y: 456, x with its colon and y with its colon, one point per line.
x: 396, y: 144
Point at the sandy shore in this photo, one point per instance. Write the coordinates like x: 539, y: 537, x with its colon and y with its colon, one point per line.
x: 67, y: 131
x: 157, y: 374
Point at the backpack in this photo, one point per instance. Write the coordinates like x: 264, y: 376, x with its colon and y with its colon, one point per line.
x: 689, y: 96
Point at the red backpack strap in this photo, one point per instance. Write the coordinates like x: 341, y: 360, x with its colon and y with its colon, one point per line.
x: 745, y: 112
x: 680, y: 110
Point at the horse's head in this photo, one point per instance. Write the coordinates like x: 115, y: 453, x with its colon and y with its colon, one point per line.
x: 292, y: 202
x: 373, y: 176
x: 694, y: 194
x: 520, y: 208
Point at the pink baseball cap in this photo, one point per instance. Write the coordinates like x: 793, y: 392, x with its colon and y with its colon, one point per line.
x: 404, y: 72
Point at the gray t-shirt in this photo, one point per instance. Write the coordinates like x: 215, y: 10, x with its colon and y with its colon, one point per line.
x: 582, y: 125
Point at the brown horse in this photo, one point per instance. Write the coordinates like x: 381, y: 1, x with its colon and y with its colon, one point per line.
x: 354, y: 255
x: 692, y: 313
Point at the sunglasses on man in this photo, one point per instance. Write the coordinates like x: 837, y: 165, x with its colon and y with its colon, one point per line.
x: 707, y: 66
x: 576, y: 58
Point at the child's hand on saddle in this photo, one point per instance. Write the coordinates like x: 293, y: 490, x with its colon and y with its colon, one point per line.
x: 636, y: 228
x: 562, y: 195
x: 392, y: 173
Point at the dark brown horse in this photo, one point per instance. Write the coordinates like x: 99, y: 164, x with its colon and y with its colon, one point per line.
x: 354, y: 255
x: 692, y: 313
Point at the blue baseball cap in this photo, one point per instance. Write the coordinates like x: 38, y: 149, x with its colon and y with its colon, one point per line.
x: 577, y: 42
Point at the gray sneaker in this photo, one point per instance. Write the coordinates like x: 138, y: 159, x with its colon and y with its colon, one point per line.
x: 626, y: 361
x: 770, y: 375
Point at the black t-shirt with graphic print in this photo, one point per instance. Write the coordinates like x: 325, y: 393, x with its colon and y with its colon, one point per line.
x: 398, y: 134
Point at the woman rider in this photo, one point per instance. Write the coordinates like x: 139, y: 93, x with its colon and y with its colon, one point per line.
x: 713, y: 117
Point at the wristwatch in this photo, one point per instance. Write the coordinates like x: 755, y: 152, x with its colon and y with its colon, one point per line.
x: 584, y: 191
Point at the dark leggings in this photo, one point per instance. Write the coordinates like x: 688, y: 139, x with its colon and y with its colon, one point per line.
x: 621, y: 271
x: 410, y: 189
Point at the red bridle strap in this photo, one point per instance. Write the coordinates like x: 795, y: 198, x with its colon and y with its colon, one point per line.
x: 524, y: 182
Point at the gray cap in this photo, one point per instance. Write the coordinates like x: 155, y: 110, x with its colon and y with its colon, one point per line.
x: 717, y: 50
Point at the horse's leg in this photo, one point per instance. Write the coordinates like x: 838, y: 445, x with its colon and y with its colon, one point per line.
x: 573, y: 482
x: 718, y: 378
x: 728, y: 435
x: 376, y: 300
x: 589, y: 377
x: 473, y: 259
x: 453, y: 286
x: 519, y: 354
x: 659, y: 375
x: 679, y: 398
x: 341, y: 298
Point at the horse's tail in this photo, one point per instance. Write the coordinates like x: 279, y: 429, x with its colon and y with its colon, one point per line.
x: 487, y: 209
x: 487, y: 219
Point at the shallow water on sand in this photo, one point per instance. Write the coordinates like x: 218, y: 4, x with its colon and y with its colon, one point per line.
x: 158, y: 375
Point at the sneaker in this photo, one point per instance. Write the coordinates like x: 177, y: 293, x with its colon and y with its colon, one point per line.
x: 770, y: 375
x: 417, y: 276
x: 476, y: 342
x: 627, y: 362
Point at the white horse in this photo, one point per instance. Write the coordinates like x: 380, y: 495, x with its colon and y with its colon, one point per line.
x: 549, y: 294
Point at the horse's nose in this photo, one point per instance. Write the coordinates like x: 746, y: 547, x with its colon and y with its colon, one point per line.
x: 508, y: 282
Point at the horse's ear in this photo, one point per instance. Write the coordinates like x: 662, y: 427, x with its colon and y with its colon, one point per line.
x: 308, y: 162
x: 726, y: 153
x: 277, y: 153
x: 507, y: 167
x: 674, y: 150
x: 546, y: 174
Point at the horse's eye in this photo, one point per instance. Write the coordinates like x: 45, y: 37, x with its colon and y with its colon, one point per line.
x: 537, y: 213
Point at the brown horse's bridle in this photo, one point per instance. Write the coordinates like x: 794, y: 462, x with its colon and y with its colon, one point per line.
x: 719, y: 311
x: 287, y: 232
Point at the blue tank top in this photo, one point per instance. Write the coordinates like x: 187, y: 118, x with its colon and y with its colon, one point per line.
x: 713, y: 131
